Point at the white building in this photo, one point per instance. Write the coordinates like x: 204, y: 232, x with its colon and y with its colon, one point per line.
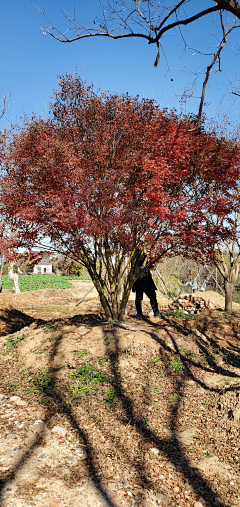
x: 43, y: 268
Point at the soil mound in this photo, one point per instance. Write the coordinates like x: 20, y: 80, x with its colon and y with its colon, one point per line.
x: 217, y: 299
x: 96, y: 414
x: 12, y: 320
x: 219, y: 325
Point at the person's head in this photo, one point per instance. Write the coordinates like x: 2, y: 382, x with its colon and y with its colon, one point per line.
x: 139, y: 256
x: 142, y: 259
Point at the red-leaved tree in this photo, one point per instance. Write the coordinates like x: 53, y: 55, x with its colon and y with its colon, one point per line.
x: 108, y: 176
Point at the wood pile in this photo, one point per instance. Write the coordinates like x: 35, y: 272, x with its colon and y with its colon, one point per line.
x: 189, y: 303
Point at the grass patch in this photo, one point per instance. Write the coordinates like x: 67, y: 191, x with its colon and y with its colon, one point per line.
x: 42, y: 382
x: 81, y: 353
x: 38, y: 351
x: 13, y: 342
x: 110, y: 397
x: 86, y: 377
x: 179, y: 314
x: 60, y: 309
x: 35, y: 282
x: 48, y: 329
x: 187, y: 352
x: 174, y: 364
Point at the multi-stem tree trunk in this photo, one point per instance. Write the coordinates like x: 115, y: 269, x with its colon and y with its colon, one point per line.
x: 113, y: 293
x: 113, y: 275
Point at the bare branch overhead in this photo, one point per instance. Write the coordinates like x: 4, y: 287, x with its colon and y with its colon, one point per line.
x: 134, y: 18
x: 151, y: 20
x: 230, y: 5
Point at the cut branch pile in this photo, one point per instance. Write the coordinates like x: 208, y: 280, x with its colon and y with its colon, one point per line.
x: 190, y: 303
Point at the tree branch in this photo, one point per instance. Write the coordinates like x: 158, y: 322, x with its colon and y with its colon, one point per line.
x: 209, y: 68
x: 184, y: 22
x: 230, y: 5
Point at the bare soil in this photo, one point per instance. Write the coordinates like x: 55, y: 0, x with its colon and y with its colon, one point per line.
x: 96, y: 415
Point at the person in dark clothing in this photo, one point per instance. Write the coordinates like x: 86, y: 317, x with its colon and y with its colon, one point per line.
x: 145, y: 284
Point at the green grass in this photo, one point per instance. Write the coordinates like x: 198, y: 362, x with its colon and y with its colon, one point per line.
x: 173, y: 363
x: 86, y: 376
x: 207, y: 455
x: 179, y: 314
x: 43, y: 383
x: 81, y: 353
x: 12, y: 342
x: 187, y: 352
x: 34, y: 282
x: 48, y: 329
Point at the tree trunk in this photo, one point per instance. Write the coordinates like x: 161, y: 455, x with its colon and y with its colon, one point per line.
x: 113, y: 277
x: 113, y: 293
x: 3, y: 259
x: 228, y: 286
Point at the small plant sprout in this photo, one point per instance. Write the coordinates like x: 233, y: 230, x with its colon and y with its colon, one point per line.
x: 43, y: 383
x: 12, y: 342
x: 207, y: 455
x: 81, y: 353
x: 110, y: 397
x: 174, y: 399
x: 102, y: 360
x: 48, y: 329
x: 86, y: 377
x: 173, y: 363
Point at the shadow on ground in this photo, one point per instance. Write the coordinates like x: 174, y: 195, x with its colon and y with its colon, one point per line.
x: 120, y: 406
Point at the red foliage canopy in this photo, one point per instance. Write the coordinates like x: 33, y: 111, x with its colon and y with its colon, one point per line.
x: 107, y: 174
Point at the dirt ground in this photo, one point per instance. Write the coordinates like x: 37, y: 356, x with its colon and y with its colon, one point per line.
x: 96, y: 414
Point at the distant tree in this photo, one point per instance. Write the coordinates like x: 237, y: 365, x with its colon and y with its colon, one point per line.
x: 6, y: 236
x: 227, y: 256
x: 24, y: 262
x: 108, y: 176
x: 70, y: 267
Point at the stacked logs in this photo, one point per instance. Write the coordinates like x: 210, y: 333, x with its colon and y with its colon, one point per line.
x: 189, y: 303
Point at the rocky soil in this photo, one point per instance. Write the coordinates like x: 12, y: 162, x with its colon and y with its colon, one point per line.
x: 96, y: 415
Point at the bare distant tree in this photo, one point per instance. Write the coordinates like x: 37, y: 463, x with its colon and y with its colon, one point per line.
x: 3, y: 135
x: 4, y: 102
x: 148, y: 19
x: 151, y: 20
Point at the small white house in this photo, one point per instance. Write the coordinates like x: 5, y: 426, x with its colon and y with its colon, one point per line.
x: 44, y: 267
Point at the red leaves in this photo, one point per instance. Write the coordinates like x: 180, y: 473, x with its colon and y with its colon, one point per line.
x: 111, y: 166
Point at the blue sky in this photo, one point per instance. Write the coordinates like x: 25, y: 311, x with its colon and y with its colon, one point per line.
x: 31, y: 62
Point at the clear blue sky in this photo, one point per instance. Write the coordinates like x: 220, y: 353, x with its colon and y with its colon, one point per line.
x: 31, y: 62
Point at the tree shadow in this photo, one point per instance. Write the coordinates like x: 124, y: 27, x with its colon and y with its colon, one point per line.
x: 129, y: 417
x: 59, y: 405
x: 170, y: 447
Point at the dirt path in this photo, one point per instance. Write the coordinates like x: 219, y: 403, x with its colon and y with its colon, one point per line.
x: 95, y: 415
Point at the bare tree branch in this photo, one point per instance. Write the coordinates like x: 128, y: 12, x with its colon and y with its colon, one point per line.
x: 149, y: 20
x: 209, y: 68
x: 230, y: 5
x: 154, y: 32
x: 234, y: 93
x: 5, y: 99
